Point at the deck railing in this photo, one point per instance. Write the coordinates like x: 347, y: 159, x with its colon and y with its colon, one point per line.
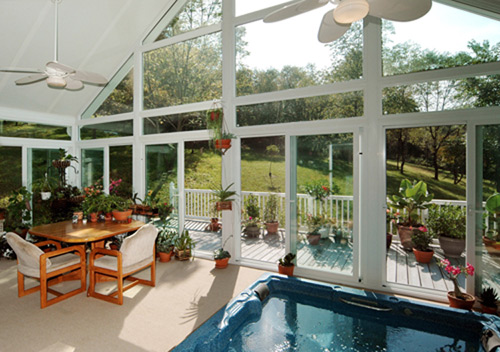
x: 199, y: 205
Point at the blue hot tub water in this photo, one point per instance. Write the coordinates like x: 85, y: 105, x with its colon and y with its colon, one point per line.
x: 302, y: 315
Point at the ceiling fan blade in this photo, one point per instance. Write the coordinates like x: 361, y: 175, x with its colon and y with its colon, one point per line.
x: 20, y: 70
x: 73, y: 84
x: 399, y: 10
x: 89, y: 77
x: 60, y: 67
x: 331, y: 30
x: 31, y: 79
x: 294, y: 9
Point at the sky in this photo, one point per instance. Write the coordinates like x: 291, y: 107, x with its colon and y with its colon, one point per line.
x: 294, y: 41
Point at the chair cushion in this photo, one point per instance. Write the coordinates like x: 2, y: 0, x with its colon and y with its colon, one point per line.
x: 139, y: 246
x: 58, y: 262
x: 27, y: 253
x: 111, y: 263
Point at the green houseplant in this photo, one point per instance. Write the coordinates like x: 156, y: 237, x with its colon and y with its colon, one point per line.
x: 422, y: 239
x: 411, y: 198
x: 447, y: 222
x: 120, y: 207
x: 493, y: 209
x: 271, y: 214
x: 488, y: 300
x: 165, y: 242
x: 221, y: 258
x: 18, y: 216
x: 252, y: 214
x: 223, y: 197
x: 184, y: 244
x: 285, y: 264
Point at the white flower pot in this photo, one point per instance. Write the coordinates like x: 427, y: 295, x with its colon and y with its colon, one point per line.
x: 45, y: 195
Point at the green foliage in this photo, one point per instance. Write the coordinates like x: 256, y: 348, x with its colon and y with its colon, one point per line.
x: 223, y: 194
x: 422, y: 239
x: 115, y: 202
x: 18, y: 214
x: 488, y: 297
x: 412, y: 197
x: 319, y: 191
x: 221, y: 254
x: 447, y: 220
x: 287, y: 260
x: 183, y: 241
x: 165, y: 241
x: 271, y: 208
x: 493, y: 204
x: 252, y: 209
x: 64, y: 156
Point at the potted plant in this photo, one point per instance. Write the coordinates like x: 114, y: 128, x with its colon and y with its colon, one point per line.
x: 120, y: 207
x: 285, y: 264
x: 488, y: 300
x: 223, y: 197
x: 492, y: 237
x: 62, y: 163
x: 252, y: 213
x: 422, y: 239
x: 314, y: 224
x: 447, y: 222
x: 92, y: 205
x: 4, y: 203
x: 184, y: 244
x: 224, y: 142
x: 221, y: 258
x: 214, y: 225
x: 411, y: 198
x: 18, y: 217
x: 164, y: 210
x: 456, y: 298
x: 271, y: 214
x: 165, y: 242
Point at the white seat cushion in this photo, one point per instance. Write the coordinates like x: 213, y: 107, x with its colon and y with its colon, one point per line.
x: 111, y: 263
x: 58, y: 262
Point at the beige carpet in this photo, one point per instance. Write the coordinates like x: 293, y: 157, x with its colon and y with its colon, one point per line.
x: 151, y: 319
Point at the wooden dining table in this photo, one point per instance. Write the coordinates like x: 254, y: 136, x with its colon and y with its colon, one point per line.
x: 94, y: 233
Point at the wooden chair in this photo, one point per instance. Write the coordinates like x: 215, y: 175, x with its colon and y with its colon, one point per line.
x: 136, y: 253
x: 48, y: 268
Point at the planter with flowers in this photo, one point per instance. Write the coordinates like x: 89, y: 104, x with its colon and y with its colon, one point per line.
x: 447, y: 222
x: 252, y: 213
x: 411, y: 198
x: 18, y: 215
x: 457, y: 298
x: 422, y: 239
x: 220, y: 138
x: 285, y: 264
x: 271, y: 214
x: 221, y: 258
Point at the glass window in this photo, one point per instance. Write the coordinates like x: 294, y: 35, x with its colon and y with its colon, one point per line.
x: 324, y: 202
x: 92, y: 166
x: 323, y: 107
x: 120, y: 170
x: 121, y: 99
x: 426, y: 43
x: 10, y: 170
x: 183, y: 73
x: 195, y: 14
x: 442, y: 95
x: 245, y: 6
x: 287, y: 54
x: 33, y: 130
x: 107, y: 130
x: 202, y: 172
x: 426, y: 192
x: 263, y: 198
x: 161, y: 173
x: 190, y: 121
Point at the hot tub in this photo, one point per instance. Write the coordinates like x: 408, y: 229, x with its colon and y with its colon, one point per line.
x: 278, y: 313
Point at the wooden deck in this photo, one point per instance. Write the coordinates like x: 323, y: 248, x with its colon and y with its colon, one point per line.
x: 402, y: 268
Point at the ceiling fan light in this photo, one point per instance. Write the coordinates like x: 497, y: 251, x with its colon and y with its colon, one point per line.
x: 349, y: 11
x: 56, y: 82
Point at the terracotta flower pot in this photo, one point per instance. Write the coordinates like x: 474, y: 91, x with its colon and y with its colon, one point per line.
x: 423, y: 257
x: 93, y: 217
x: 405, y: 233
x: 122, y: 215
x: 272, y: 227
x: 165, y: 257
x: 222, y: 143
x: 221, y: 263
x: 286, y: 270
x: 108, y: 217
x: 489, y: 310
x: 313, y: 238
x: 226, y: 205
x: 466, y: 303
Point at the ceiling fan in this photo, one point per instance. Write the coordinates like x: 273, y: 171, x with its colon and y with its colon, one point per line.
x: 56, y: 74
x: 338, y: 20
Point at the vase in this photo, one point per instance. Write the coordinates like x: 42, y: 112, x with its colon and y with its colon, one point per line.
x: 423, y: 257
x: 286, y: 270
x: 405, y: 233
x: 452, y: 247
x: 165, y: 257
x: 313, y: 238
x: 272, y: 227
x: 122, y: 215
x: 221, y: 263
x: 466, y: 303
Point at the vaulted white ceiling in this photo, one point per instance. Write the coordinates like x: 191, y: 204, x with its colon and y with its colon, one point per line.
x: 94, y: 35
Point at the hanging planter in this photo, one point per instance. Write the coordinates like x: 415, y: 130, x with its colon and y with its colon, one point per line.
x: 45, y: 195
x: 223, y: 143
